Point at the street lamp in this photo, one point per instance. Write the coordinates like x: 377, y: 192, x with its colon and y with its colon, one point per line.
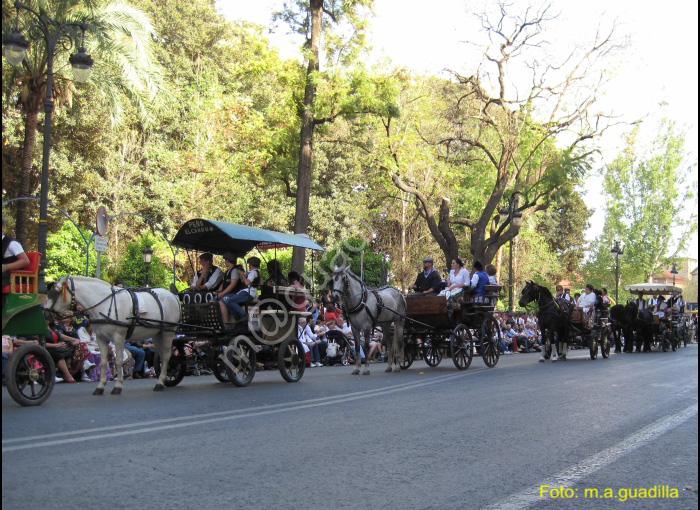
x: 515, y: 217
x: 147, y: 254
x: 674, y: 272
x: 617, y: 250
x: 15, y: 48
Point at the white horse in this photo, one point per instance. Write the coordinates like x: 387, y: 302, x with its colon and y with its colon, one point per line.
x: 118, y: 315
x: 365, y: 308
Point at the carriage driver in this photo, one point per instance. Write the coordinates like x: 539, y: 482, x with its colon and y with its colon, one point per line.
x: 428, y: 281
x: 209, y: 277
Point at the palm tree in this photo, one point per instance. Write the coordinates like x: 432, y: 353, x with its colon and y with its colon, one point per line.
x: 120, y: 39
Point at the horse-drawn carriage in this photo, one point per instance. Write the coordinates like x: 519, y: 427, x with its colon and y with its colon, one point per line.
x: 30, y: 371
x: 433, y: 330
x: 667, y: 328
x: 268, y: 332
x: 563, y: 325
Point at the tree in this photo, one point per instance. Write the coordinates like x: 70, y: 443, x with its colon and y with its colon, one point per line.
x: 647, y: 197
x: 66, y: 253
x: 131, y: 271
x: 311, y: 18
x: 519, y: 136
x: 119, y: 38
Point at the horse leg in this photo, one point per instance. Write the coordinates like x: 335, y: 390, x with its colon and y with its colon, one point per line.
x: 367, y: 337
x: 390, y: 351
x: 104, y: 355
x: 119, y: 353
x: 398, y: 346
x: 164, y: 344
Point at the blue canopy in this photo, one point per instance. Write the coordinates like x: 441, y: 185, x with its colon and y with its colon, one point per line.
x: 219, y: 237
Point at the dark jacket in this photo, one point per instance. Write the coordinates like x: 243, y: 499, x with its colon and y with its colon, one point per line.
x: 432, y: 282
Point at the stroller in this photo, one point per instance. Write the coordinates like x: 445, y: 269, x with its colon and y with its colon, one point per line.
x: 338, y: 348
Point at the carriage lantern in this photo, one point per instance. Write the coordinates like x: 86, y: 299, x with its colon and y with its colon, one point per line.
x: 147, y: 254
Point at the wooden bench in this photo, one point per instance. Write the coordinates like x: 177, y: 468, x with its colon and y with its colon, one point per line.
x: 430, y: 310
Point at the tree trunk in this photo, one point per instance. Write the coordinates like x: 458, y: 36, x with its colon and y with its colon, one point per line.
x: 25, y: 175
x: 306, y: 152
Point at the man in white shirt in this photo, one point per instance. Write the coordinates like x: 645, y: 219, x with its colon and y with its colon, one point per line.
x: 641, y: 303
x: 347, y: 331
x: 209, y: 277
x: 13, y: 256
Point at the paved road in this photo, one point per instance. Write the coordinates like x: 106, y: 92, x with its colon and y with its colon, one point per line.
x: 425, y: 438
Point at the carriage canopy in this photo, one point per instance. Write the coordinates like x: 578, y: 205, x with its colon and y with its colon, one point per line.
x: 219, y: 237
x: 653, y: 289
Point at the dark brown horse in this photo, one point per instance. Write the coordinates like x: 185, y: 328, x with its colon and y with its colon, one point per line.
x: 553, y: 316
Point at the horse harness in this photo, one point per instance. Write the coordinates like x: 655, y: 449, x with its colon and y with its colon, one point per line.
x: 130, y: 325
x: 362, y: 305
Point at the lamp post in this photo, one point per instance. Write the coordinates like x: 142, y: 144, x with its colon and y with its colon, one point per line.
x: 674, y: 272
x: 515, y: 218
x: 147, y: 254
x: 52, y: 32
x: 617, y: 250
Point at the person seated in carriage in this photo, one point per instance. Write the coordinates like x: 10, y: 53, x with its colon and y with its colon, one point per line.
x: 587, y: 303
x: 275, y: 278
x: 231, y: 284
x: 207, y: 278
x: 478, y: 281
x: 428, y: 282
x: 607, y: 299
x: 641, y: 302
x: 567, y: 296
x: 248, y: 292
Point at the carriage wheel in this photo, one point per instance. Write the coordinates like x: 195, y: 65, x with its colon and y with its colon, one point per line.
x: 177, y: 366
x: 490, y: 341
x: 30, y: 375
x: 217, y: 365
x: 605, y: 343
x: 461, y: 347
x: 408, y: 358
x: 432, y: 354
x: 244, y: 361
x: 291, y: 360
x: 593, y: 345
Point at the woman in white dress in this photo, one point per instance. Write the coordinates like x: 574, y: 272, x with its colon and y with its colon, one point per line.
x: 458, y: 279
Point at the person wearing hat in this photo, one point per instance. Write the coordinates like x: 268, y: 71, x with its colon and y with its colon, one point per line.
x: 209, y: 277
x: 249, y: 292
x: 428, y: 281
x: 231, y: 284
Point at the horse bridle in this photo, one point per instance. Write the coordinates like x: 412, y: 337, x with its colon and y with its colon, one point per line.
x: 55, y: 293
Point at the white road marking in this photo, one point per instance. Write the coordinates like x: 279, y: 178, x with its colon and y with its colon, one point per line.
x: 199, y: 419
x: 569, y: 477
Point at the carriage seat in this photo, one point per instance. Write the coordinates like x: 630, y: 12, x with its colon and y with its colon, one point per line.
x: 24, y: 281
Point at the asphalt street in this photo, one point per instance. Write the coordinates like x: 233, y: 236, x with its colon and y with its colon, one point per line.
x: 510, y: 437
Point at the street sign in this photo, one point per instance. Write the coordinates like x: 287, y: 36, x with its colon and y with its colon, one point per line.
x: 102, y: 220
x: 100, y: 244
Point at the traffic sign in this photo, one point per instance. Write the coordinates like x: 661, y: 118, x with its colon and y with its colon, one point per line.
x: 100, y: 244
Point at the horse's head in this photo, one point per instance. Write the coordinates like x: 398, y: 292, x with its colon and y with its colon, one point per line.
x: 529, y: 294
x: 338, y: 282
x: 631, y: 311
x: 60, y: 297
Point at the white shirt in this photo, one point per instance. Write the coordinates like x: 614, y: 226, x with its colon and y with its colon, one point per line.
x: 252, y: 275
x: 213, y: 280
x: 458, y: 279
x: 13, y: 249
x: 586, y: 301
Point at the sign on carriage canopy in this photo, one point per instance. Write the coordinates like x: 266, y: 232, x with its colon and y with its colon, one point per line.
x: 653, y: 289
x: 219, y: 237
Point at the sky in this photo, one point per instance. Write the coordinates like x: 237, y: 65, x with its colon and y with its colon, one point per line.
x: 659, y: 64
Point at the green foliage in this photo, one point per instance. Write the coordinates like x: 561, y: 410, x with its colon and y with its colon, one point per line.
x: 131, y: 270
x: 645, y: 192
x: 66, y: 254
x: 350, y: 253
